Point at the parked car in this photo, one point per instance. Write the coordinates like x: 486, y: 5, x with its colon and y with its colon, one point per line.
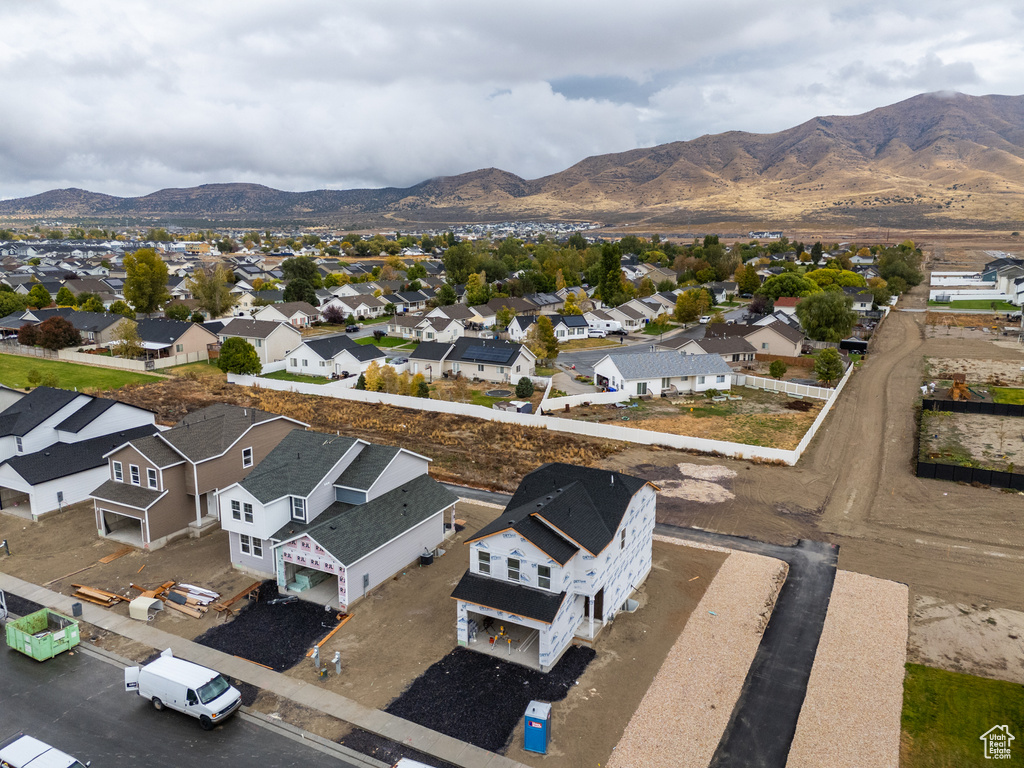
x: 186, y: 687
x: 620, y: 332
x: 705, y: 319
x: 351, y: 328
x: 398, y: 360
x: 21, y: 751
x: 597, y: 333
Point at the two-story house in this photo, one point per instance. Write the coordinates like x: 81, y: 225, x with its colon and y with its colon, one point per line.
x: 334, y: 516
x: 271, y: 340
x: 558, y: 563
x: 165, y: 486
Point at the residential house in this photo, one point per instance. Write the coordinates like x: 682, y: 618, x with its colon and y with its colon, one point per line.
x: 486, y: 359
x: 628, y: 317
x: 165, y: 486
x: 272, y: 341
x: 94, y: 327
x: 333, y: 356
x: 558, y: 563
x: 863, y: 299
x: 566, y: 327
x: 721, y: 291
x: 600, y: 320
x: 163, y: 337
x: 777, y: 338
x: 663, y: 373
x: 333, y: 514
x: 786, y: 304
x: 359, y: 306
x: 732, y: 349
x: 299, y: 314
x: 425, y: 328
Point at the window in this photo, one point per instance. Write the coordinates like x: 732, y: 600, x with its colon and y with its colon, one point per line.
x: 118, y: 472
x: 517, y: 368
x: 666, y: 383
x: 21, y: 447
x: 764, y: 345
x: 135, y: 477
x: 700, y: 379
x: 247, y: 457
x: 236, y: 510
x: 544, y: 576
x: 151, y: 477
x: 720, y: 379
x: 480, y: 368
x: 247, y: 512
x: 294, y: 363
x: 483, y: 561
x: 250, y: 545
x: 323, y: 363
x: 501, y: 369
x: 641, y: 387
x: 259, y: 343
x: 179, y: 348
x: 513, y: 569
x: 622, y: 539
x: 298, y: 509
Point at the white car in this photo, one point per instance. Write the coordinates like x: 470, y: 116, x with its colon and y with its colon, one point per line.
x: 597, y: 333
x: 21, y: 750
x: 705, y: 319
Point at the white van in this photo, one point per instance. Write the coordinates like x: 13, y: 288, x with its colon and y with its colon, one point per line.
x: 186, y: 687
x: 21, y: 751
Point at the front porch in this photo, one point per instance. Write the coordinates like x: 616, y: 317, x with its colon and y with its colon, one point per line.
x: 504, y: 640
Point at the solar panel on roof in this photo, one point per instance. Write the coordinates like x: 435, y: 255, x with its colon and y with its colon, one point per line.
x: 486, y: 354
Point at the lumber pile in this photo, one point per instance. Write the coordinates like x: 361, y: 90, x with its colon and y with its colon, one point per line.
x: 183, y: 598
x: 96, y: 595
x: 225, y: 606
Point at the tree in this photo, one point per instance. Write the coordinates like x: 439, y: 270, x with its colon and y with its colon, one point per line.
x: 610, y: 274
x: 334, y: 315
x: 127, y: 342
x: 57, y: 333
x: 571, y: 306
x: 176, y: 311
x: 121, y: 308
x: 418, y: 387
x: 904, y: 262
x: 39, y: 297
x: 11, y: 302
x: 301, y: 290
x: 361, y: 382
x: 212, y: 291
x: 65, y: 298
x: 747, y: 279
x: 445, y: 296
x: 28, y: 335
x: 90, y: 302
x: 541, y: 339
x: 787, y: 284
x: 373, y: 377
x: 197, y: 317
x: 524, y: 387
x: 840, y: 277
x: 827, y: 316
x: 646, y: 288
x: 302, y: 268
x: 816, y: 251
x: 777, y: 369
x: 145, y: 283
x: 828, y: 366
x: 477, y: 290
x: 504, y: 316
x: 239, y: 356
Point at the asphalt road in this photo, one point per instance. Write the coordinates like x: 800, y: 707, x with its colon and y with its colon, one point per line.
x: 77, y: 703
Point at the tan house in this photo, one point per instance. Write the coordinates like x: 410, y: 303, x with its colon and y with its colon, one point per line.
x: 163, y: 337
x: 301, y: 314
x: 484, y: 359
x: 164, y: 486
x: 778, y: 338
x: 272, y: 340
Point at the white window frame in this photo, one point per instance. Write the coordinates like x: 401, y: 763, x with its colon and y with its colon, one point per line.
x: 544, y: 579
x: 21, y: 446
x: 666, y: 382
x: 479, y: 368
x: 483, y: 561
x: 641, y: 387
x: 294, y: 362
x: 720, y: 379
x: 236, y: 509
x: 247, y: 457
x: 622, y: 539
x: 152, y: 479
x: 250, y: 545
x: 118, y: 471
x: 297, y: 505
x: 517, y: 569
x: 134, y: 475
x: 247, y: 512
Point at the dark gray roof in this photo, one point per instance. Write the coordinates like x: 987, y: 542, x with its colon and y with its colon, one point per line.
x: 157, y: 451
x: 297, y: 465
x: 211, y: 431
x: 253, y: 329
x: 516, y: 599
x: 430, y: 350
x: 352, y: 531
x: 20, y: 418
x: 84, y: 416
x: 63, y: 459
x: 714, y: 345
x: 94, y: 322
x: 657, y: 365
x: 584, y: 504
x: 162, y: 330
x: 490, y: 351
x: 127, y: 494
x: 364, y: 470
x: 330, y: 346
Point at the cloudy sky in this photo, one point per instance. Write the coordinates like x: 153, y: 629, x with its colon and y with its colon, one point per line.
x: 130, y: 97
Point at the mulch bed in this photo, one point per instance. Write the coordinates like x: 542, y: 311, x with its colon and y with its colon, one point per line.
x: 19, y: 606
x: 479, y: 699
x: 276, y: 636
x: 390, y: 752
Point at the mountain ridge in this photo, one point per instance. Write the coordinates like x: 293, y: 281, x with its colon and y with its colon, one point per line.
x: 932, y: 159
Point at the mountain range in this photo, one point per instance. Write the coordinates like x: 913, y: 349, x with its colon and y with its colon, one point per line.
x: 932, y: 161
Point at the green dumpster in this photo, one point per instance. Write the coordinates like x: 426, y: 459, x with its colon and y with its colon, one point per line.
x: 43, y: 634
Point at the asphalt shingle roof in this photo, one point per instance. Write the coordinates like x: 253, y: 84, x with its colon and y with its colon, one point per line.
x: 134, y: 496
x: 330, y: 346
x: 211, y: 431
x: 506, y: 596
x: 84, y: 416
x: 20, y: 418
x: 657, y: 365
x: 297, y: 465
x: 63, y: 459
x: 253, y: 329
x: 364, y: 470
x: 157, y: 451
x: 162, y: 330
x: 352, y: 531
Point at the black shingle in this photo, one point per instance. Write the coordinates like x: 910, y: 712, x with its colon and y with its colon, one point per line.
x: 508, y: 597
x: 63, y: 459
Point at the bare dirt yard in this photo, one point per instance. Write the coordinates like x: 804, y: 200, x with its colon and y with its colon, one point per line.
x: 973, y: 439
x: 760, y: 418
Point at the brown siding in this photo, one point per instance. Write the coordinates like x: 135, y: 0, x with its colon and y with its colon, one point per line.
x: 128, y: 455
x: 176, y: 509
x: 227, y: 469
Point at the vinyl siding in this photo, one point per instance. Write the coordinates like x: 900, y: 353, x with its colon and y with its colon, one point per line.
x: 174, y: 511
x: 403, y: 468
x: 227, y: 469
x: 43, y: 496
x: 117, y: 418
x: 45, y: 433
x: 264, y: 566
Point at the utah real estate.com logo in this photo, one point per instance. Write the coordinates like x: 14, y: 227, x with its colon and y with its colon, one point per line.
x: 997, y: 742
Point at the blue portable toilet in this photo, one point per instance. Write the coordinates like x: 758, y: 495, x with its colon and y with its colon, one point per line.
x: 538, y: 727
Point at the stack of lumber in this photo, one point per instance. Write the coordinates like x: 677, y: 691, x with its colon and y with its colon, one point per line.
x: 96, y: 595
x: 225, y: 606
x: 196, y: 595
x: 178, y: 599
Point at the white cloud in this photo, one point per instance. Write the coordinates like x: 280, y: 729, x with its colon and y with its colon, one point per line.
x: 127, y: 98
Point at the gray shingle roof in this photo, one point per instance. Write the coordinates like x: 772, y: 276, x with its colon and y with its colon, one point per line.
x: 297, y: 465
x: 363, y: 472
x: 127, y: 494
x: 254, y: 329
x: 330, y: 346
x: 210, y: 431
x: 33, y: 409
x: 157, y: 451
x: 63, y: 459
x: 516, y: 599
x: 657, y: 365
x: 352, y: 531
x: 81, y: 418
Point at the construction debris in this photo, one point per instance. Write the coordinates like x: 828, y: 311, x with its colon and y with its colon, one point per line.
x: 225, y: 607
x: 97, y: 596
x: 120, y: 553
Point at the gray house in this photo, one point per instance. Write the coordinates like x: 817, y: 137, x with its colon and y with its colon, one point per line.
x: 663, y: 373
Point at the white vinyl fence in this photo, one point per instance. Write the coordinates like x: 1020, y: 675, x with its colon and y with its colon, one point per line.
x: 789, y: 387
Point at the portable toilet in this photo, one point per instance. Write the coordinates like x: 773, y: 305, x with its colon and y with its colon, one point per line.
x: 538, y: 727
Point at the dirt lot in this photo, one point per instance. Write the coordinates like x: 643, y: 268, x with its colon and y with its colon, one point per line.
x: 983, y: 372
x: 971, y: 439
x: 760, y: 418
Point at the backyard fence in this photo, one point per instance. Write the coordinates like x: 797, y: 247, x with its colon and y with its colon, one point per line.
x: 938, y: 471
x: 789, y: 387
x: 968, y: 406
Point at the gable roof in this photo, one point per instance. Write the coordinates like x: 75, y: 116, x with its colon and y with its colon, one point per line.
x: 488, y: 351
x: 63, y: 459
x: 430, y: 350
x: 163, y: 330
x: 330, y: 346
x: 352, y: 531
x: 21, y: 417
x: 289, y: 308
x: 211, y: 431
x: 722, y: 330
x: 364, y: 470
x: 255, y: 329
x: 296, y: 465
x: 658, y: 365
x: 157, y: 451
x: 515, y: 599
x: 730, y: 345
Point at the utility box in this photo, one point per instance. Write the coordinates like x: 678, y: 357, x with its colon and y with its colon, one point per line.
x: 43, y: 634
x: 537, y: 729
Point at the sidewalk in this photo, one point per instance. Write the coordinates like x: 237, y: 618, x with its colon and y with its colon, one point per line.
x: 375, y: 721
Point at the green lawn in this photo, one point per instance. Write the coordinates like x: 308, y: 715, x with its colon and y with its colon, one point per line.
x: 542, y: 371
x: 14, y: 371
x: 656, y: 329
x: 1001, y: 306
x: 1008, y: 395
x: 387, y: 341
x: 945, y: 714
x: 285, y: 376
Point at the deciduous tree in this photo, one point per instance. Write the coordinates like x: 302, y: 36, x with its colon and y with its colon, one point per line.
x: 126, y: 340
x: 827, y: 316
x: 121, y: 308
x: 212, y: 290
x: 65, y: 298
x: 239, y: 356
x: 828, y: 366
x: 39, y: 297
x: 57, y: 333
x: 145, y: 283
x: 541, y: 339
